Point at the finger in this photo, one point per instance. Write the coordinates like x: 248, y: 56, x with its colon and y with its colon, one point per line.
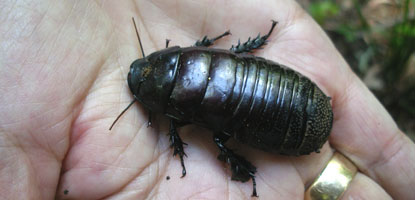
x: 366, y: 133
x: 362, y: 187
x: 362, y: 128
x: 310, y: 166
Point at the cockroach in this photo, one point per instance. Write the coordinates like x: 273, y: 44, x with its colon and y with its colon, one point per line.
x: 256, y: 101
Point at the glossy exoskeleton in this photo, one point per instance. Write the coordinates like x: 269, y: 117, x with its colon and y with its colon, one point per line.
x: 256, y: 101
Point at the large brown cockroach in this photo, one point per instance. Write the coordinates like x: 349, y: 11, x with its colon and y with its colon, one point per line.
x: 256, y: 101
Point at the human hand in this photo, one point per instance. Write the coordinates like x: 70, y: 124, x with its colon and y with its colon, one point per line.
x: 63, y: 81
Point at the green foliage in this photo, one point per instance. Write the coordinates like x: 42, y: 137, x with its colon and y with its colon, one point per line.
x: 399, y: 94
x: 383, y: 48
x: 402, y: 46
x: 322, y: 10
x: 347, y: 31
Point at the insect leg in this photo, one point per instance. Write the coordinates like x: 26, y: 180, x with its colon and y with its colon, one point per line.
x: 207, y: 42
x: 177, y: 144
x: 256, y: 43
x: 242, y: 170
x: 167, y: 43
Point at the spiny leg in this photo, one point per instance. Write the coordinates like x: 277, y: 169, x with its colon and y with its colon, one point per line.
x: 242, y: 170
x: 177, y: 144
x: 256, y: 43
x: 167, y: 43
x: 207, y: 42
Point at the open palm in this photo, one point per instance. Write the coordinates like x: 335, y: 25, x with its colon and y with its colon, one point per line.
x: 63, y: 82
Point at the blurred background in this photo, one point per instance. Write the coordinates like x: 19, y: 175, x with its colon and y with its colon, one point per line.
x: 377, y: 38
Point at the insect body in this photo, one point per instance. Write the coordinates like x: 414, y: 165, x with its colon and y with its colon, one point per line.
x: 256, y: 101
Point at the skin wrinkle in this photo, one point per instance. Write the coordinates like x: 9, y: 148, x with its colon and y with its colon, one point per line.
x: 157, y: 184
x: 42, y: 43
x: 176, y: 26
x: 44, y: 148
x: 68, y: 54
x: 33, y: 166
x: 64, y: 143
x: 203, y: 25
x: 118, y: 50
x: 55, y: 43
x: 129, y: 144
x: 85, y: 17
x: 391, y: 149
x: 77, y: 41
x: 165, y: 16
x: 49, y: 126
x: 179, y: 26
x: 11, y: 9
x: 299, y: 14
x: 152, y: 40
x: 28, y: 167
x: 49, y: 186
x: 39, y: 116
x: 316, y: 78
x: 298, y: 172
x: 156, y: 187
x: 241, y: 193
x: 118, y: 61
x: 147, y: 166
x: 366, y: 126
x: 53, y: 152
x: 322, y: 167
x: 170, y: 159
x: 99, y: 63
x: 87, y: 91
x: 42, y: 18
x: 77, y: 164
x: 109, y: 167
x: 22, y: 32
x: 200, y: 192
x: 140, y: 17
x: 18, y: 16
x: 5, y: 140
x: 284, y: 191
x: 362, y: 183
x: 267, y: 184
x: 339, y: 99
x: 95, y: 29
x: 78, y: 107
x: 291, y: 21
x: 25, y: 59
x: 155, y: 158
x: 31, y: 146
x: 5, y: 125
x: 378, y: 160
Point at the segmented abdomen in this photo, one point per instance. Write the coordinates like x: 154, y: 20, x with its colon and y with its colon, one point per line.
x: 258, y: 102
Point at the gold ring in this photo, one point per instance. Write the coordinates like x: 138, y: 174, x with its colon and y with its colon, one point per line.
x: 333, y: 180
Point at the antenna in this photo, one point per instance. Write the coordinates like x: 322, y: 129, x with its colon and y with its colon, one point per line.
x: 122, y: 113
x: 138, y: 36
x: 132, y: 102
